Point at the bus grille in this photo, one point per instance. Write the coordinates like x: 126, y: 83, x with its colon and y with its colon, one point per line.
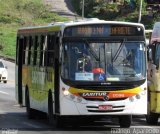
x: 101, y: 99
x: 96, y: 109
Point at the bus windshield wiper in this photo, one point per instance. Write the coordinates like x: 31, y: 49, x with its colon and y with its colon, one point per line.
x: 118, y: 51
x: 92, y: 51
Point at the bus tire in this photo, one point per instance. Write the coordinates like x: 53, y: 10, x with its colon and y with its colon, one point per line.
x: 59, y: 122
x: 152, y: 118
x: 50, y: 109
x: 30, y: 112
x: 53, y: 119
x: 125, y: 121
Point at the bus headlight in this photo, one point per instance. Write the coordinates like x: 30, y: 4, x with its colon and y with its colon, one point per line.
x: 72, y: 96
x: 131, y: 99
x: 138, y: 96
x: 66, y: 92
x: 143, y: 92
x: 79, y: 99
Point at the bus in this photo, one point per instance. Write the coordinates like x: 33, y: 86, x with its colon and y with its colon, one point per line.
x: 154, y: 76
x: 85, y: 70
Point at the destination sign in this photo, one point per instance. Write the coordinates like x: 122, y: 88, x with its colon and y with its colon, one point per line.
x: 102, y: 30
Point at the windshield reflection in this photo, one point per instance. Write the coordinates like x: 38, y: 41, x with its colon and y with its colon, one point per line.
x: 105, y: 61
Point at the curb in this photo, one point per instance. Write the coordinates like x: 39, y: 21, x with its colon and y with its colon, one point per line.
x: 7, y: 58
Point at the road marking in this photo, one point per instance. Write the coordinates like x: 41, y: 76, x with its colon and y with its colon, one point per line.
x: 31, y: 125
x: 4, y: 92
x: 2, y: 114
x: 17, y: 105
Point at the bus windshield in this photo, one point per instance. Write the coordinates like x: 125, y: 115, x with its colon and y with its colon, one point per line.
x: 103, y: 61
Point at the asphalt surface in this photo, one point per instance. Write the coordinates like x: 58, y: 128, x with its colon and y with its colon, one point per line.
x: 61, y: 7
x: 13, y: 118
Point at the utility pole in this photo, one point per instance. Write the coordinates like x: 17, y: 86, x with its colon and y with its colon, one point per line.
x: 83, y: 9
x: 140, y: 10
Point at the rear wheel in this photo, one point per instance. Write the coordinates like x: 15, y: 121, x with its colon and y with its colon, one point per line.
x: 125, y: 121
x: 30, y: 111
x: 152, y: 118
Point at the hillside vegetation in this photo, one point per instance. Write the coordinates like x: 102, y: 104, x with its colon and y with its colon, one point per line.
x: 21, y: 13
x: 124, y: 10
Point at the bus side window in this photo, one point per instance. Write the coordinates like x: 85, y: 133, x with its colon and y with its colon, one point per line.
x: 149, y: 54
x: 36, y: 45
x: 157, y: 55
x: 24, y: 49
x: 50, y: 50
x: 42, y: 44
x: 29, y: 49
x: 32, y: 50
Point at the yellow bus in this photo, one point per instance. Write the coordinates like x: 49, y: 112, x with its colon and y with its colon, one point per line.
x: 154, y: 76
x: 82, y: 70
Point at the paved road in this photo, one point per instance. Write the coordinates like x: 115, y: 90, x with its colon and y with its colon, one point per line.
x: 61, y: 7
x: 13, y: 119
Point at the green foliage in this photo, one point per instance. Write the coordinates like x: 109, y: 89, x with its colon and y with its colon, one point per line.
x: 21, y: 13
x: 123, y: 11
x: 8, y: 39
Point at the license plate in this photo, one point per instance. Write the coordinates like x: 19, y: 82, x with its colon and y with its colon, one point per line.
x: 105, y: 107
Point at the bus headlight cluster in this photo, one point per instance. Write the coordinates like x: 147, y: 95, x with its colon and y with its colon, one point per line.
x: 75, y: 98
x: 131, y: 98
x: 79, y: 99
x: 72, y: 97
x: 66, y: 92
x: 136, y: 97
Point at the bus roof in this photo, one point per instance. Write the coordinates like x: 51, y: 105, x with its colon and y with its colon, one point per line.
x: 58, y: 26
x: 156, y: 33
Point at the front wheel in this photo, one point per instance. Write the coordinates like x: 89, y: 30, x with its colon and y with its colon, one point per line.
x: 152, y: 118
x: 50, y: 110
x: 125, y: 121
x: 55, y: 120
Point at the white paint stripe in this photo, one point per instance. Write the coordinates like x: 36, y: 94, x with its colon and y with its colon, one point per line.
x: 4, y: 92
x: 2, y: 114
x: 31, y: 125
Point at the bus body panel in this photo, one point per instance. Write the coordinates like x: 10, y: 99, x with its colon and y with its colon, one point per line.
x: 153, y: 76
x: 81, y: 106
x: 154, y: 88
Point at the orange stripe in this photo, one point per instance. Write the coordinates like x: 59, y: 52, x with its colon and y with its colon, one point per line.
x: 120, y: 95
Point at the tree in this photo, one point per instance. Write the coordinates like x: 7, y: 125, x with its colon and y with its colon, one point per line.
x: 153, y: 1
